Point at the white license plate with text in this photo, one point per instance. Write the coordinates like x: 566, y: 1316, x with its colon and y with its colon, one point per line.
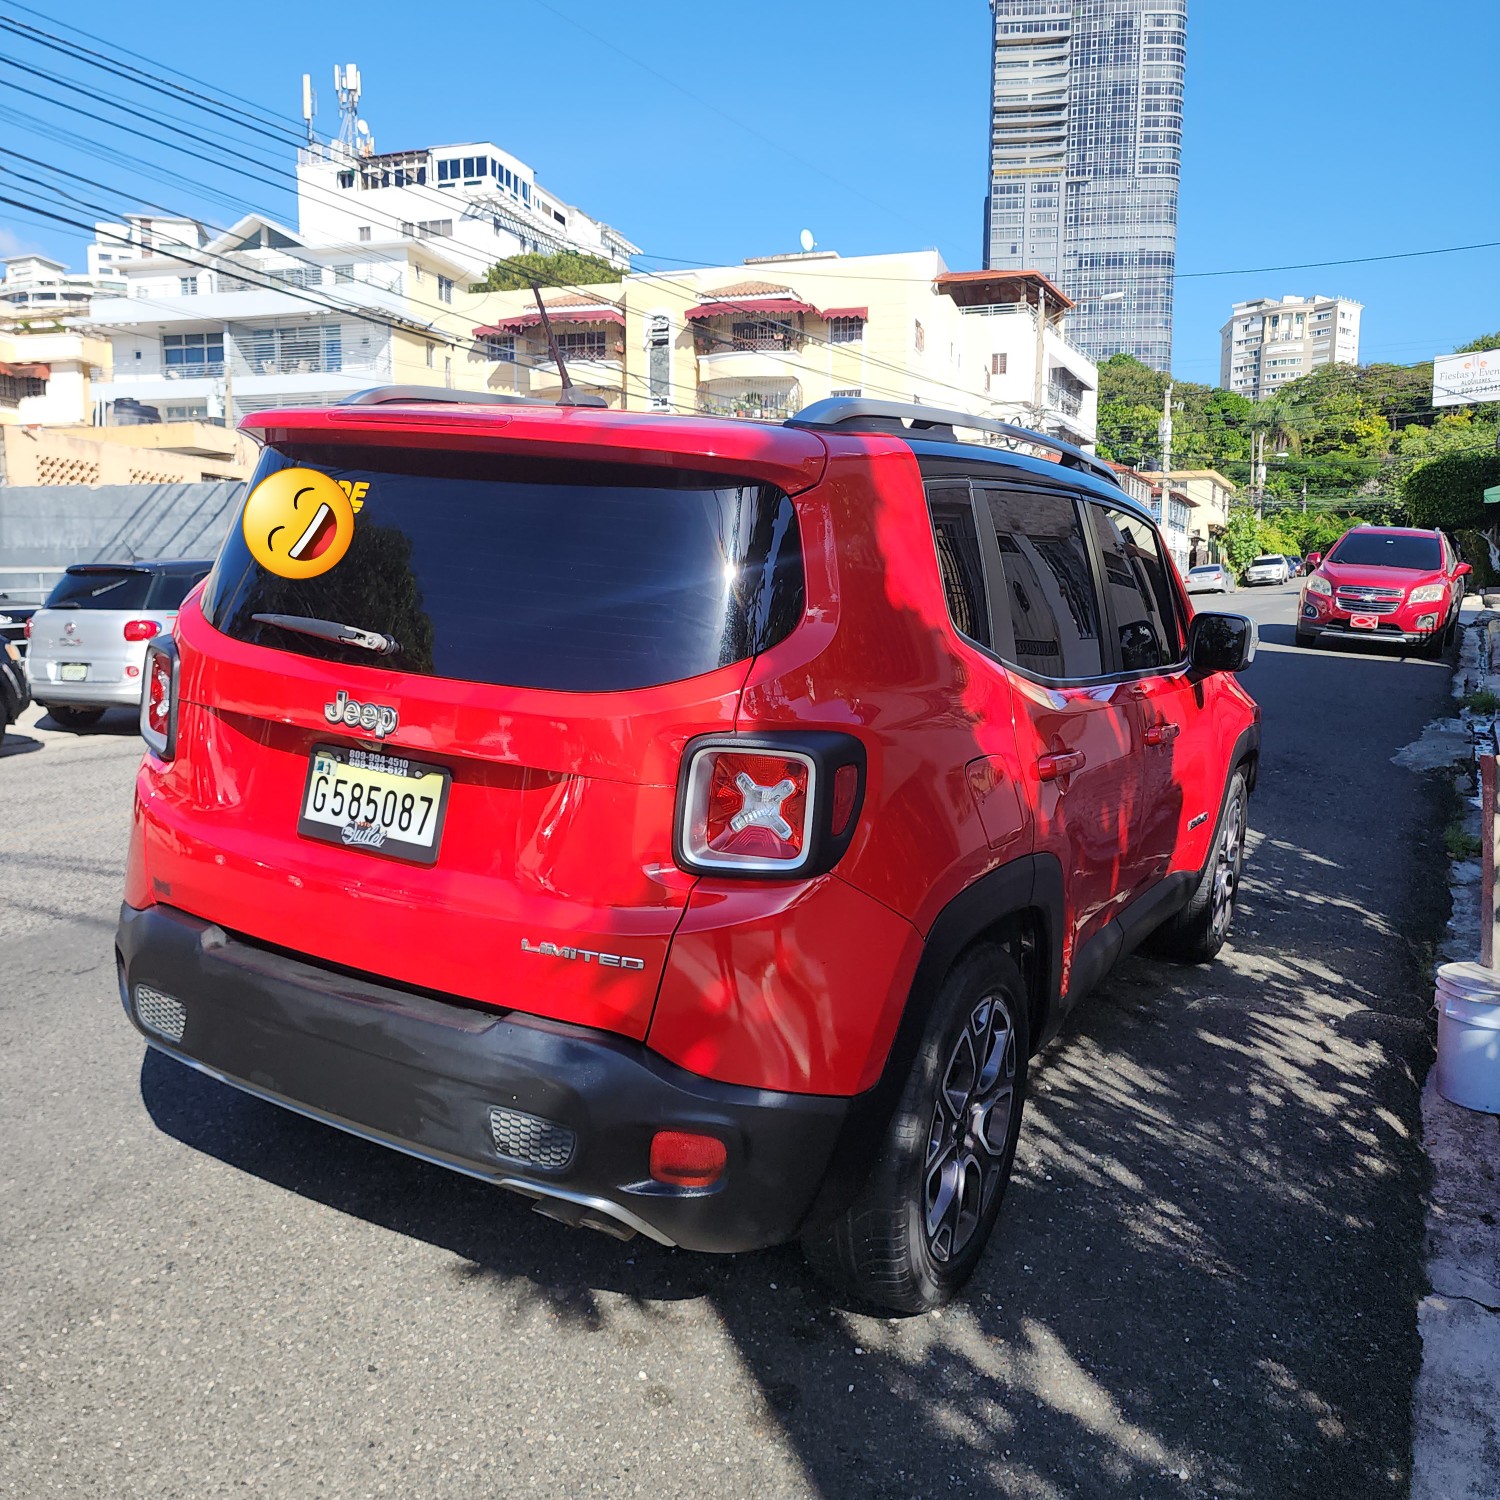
x: 383, y: 804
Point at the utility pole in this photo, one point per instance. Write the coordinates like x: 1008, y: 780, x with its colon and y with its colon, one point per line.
x: 1164, y: 430
x: 1039, y: 388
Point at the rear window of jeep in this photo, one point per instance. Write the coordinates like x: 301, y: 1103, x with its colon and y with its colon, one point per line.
x: 531, y: 573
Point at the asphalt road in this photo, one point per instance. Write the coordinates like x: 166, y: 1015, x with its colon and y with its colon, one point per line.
x: 1204, y: 1285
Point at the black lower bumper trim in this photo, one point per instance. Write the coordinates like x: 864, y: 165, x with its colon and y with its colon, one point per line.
x: 421, y: 1074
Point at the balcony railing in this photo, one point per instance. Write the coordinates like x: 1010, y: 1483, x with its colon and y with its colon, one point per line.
x: 209, y: 369
x: 1064, y: 399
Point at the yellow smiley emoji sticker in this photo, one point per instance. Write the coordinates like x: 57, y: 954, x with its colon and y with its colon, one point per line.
x: 298, y: 523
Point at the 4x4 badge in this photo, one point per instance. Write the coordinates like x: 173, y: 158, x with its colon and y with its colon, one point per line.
x: 347, y: 710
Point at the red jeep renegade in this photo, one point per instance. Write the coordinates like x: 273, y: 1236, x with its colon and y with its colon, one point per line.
x: 692, y: 825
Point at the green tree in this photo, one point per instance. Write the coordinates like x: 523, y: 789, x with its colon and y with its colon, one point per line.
x: 565, y: 268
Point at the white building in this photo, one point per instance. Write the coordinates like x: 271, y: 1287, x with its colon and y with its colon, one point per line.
x: 1268, y: 342
x: 37, y: 287
x: 481, y: 203
x: 215, y: 326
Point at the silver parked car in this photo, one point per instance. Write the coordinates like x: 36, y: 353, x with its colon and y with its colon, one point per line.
x: 1210, y: 578
x: 88, y: 641
x: 1272, y: 568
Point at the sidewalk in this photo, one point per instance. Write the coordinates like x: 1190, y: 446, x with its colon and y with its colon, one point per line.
x: 1456, y: 1405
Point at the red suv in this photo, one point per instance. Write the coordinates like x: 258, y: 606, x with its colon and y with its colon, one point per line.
x: 692, y: 825
x: 1385, y: 583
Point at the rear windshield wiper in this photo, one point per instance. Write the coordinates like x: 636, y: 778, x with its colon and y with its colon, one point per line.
x: 332, y: 630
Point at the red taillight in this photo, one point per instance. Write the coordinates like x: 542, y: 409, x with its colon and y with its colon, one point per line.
x: 141, y: 630
x: 28, y: 627
x: 687, y: 1159
x: 158, y: 711
x: 748, y: 810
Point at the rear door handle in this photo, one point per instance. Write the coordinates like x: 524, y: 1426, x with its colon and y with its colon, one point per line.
x: 1051, y: 767
x: 1162, y: 734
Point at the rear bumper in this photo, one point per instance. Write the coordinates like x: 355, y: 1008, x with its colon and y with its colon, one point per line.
x: 422, y: 1074
x: 125, y: 694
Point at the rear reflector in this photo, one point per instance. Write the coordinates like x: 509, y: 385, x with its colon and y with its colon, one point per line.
x: 845, y: 793
x: 160, y: 1013
x: 531, y: 1139
x: 686, y: 1159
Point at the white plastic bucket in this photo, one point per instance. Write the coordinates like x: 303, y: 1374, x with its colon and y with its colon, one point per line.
x: 1468, y: 1049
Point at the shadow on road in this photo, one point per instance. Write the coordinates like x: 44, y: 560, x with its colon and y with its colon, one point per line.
x: 17, y: 744
x: 1205, y: 1280
x: 118, y: 723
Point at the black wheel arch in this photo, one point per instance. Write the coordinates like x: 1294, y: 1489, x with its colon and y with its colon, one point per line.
x: 1018, y: 907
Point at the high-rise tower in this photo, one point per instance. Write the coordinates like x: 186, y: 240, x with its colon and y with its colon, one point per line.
x: 1085, y: 155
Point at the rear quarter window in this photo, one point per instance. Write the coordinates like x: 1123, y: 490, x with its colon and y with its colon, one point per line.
x: 532, y: 573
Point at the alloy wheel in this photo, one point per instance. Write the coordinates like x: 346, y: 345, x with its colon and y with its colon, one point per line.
x: 1229, y: 859
x: 970, y: 1128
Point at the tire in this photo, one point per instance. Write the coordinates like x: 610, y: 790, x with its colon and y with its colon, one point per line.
x: 1198, y: 931
x: 76, y: 718
x: 914, y: 1234
x: 1307, y: 640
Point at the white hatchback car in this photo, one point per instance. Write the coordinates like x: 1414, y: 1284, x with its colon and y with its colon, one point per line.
x: 1209, y: 578
x: 88, y: 641
x: 1272, y: 568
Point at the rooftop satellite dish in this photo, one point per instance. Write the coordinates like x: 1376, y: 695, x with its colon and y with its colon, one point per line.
x: 361, y: 127
x: 808, y: 242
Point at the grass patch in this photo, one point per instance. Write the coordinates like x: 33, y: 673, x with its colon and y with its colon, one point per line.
x: 1482, y: 701
x: 1459, y: 842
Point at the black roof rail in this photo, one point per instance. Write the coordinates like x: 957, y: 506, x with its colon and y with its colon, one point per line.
x: 379, y: 395
x: 909, y: 419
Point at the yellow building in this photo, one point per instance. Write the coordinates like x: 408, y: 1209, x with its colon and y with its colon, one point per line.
x: 765, y: 338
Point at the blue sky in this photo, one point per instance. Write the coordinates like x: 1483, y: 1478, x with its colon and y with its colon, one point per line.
x: 1315, y: 130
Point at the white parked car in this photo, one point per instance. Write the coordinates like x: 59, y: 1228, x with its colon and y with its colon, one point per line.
x: 1210, y: 578
x: 88, y: 641
x: 1272, y: 568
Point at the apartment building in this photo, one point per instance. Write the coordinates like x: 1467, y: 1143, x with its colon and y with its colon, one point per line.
x: 211, y: 326
x: 773, y: 334
x: 1084, y: 161
x: 48, y: 375
x: 36, y: 288
x: 1208, y: 496
x: 479, y: 202
x: 1270, y: 341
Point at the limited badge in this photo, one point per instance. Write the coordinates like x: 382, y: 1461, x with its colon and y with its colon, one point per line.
x: 298, y: 523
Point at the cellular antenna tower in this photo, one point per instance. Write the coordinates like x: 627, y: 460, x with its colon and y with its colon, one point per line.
x: 354, y: 134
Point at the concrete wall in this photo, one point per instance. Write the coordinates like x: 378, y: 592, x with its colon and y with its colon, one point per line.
x: 43, y: 526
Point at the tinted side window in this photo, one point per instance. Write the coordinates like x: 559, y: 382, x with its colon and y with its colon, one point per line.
x: 1140, y: 596
x: 1048, y: 583
x: 958, y: 559
x: 170, y: 589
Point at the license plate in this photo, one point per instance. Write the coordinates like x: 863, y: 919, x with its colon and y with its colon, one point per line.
x: 73, y: 671
x: 1364, y: 622
x: 382, y: 804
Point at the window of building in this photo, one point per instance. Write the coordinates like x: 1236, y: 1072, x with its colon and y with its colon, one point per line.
x: 1046, y: 590
x: 501, y: 348
x: 445, y: 289
x: 999, y: 364
x: 429, y: 356
x: 1135, y: 583
x: 846, y: 330
x: 15, y: 388
x: 583, y: 343
x: 364, y: 233
x: 959, y: 562
x: 300, y: 276
x: 343, y: 273
x: 193, y: 354
x: 848, y: 390
x: 187, y: 286
x: 346, y: 179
